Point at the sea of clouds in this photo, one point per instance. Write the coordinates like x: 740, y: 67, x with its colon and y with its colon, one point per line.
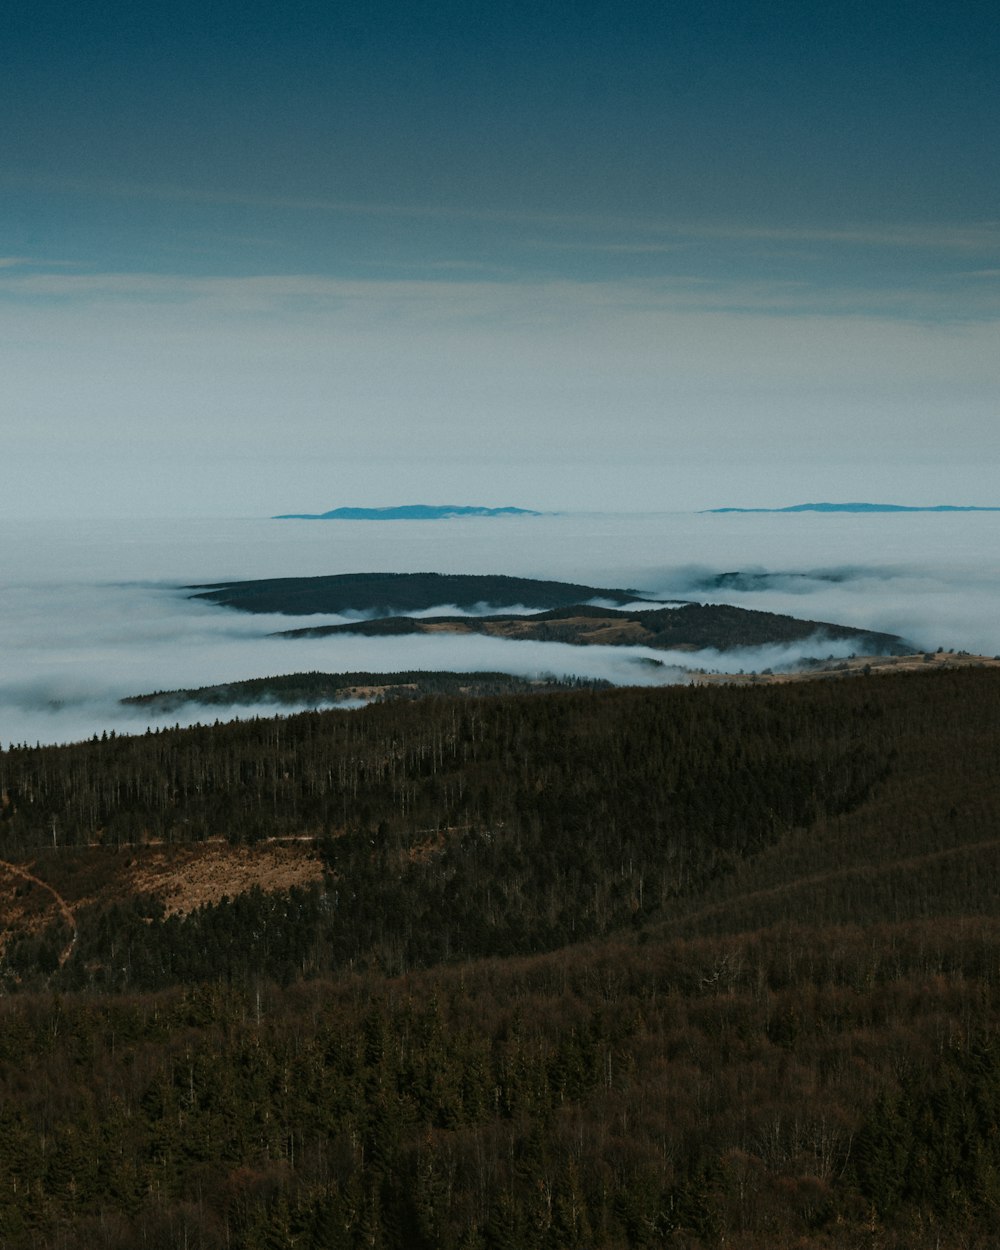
x: 94, y: 611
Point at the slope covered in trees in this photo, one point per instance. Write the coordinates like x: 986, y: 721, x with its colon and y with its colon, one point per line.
x: 689, y: 627
x: 399, y: 592
x: 615, y: 969
x: 405, y: 512
x: 318, y: 688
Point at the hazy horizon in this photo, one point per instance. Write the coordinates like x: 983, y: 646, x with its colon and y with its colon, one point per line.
x: 622, y: 263
x: 259, y: 259
x: 94, y: 612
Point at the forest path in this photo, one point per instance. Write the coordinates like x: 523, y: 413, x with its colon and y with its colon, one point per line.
x: 60, y: 902
x: 833, y: 874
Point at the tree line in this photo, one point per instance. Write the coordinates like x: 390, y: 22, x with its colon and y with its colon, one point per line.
x: 616, y: 969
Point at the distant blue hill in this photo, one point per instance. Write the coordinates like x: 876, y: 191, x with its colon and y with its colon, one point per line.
x: 861, y: 507
x: 406, y: 512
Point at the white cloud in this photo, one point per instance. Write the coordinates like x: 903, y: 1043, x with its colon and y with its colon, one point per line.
x: 938, y: 236
x: 148, y: 393
x: 73, y: 641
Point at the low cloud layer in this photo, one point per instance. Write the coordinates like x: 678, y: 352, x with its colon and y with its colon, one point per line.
x: 142, y: 393
x: 929, y: 605
x: 89, y: 615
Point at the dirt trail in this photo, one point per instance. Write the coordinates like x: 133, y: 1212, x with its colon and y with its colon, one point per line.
x: 821, y: 878
x: 61, y: 903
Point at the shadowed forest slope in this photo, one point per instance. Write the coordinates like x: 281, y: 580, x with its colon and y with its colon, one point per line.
x: 599, y: 968
x: 689, y: 627
x: 400, y: 592
x: 318, y: 688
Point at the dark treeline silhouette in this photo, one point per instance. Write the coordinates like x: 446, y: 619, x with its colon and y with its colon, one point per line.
x: 627, y: 763
x: 604, y: 968
x: 317, y: 688
x: 466, y: 828
x: 400, y: 592
x: 692, y: 626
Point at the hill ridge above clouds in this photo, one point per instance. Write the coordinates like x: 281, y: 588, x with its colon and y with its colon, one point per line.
x: 865, y: 507
x: 402, y: 592
x: 404, y: 512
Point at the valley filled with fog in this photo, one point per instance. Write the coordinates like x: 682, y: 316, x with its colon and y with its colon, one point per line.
x: 94, y: 611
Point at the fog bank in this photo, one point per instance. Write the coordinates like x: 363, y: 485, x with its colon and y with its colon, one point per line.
x: 94, y: 611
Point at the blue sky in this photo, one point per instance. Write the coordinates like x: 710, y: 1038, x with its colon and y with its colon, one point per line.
x: 260, y: 258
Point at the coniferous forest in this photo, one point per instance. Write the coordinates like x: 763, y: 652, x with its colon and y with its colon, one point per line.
x: 596, y: 968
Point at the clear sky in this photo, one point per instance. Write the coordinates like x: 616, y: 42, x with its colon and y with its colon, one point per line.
x: 262, y: 258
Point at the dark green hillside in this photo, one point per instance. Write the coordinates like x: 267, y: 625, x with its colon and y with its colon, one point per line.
x: 467, y: 827
x: 464, y: 827
x: 518, y: 824
x: 398, y: 592
x: 692, y: 626
x: 405, y: 512
x: 610, y: 969
x: 864, y: 507
x: 317, y: 688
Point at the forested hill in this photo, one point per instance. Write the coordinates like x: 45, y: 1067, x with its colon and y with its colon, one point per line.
x: 504, y: 825
x: 313, y: 689
x: 612, y: 969
x: 691, y: 626
x: 866, y: 508
x: 400, y: 592
x: 405, y: 512
x: 562, y: 613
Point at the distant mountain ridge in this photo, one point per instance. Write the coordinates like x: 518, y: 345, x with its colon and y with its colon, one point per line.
x: 864, y: 507
x: 401, y: 592
x: 687, y: 627
x: 403, y: 512
x: 318, y: 689
x: 563, y: 612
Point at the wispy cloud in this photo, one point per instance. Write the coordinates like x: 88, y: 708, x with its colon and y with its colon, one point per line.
x: 952, y: 236
x: 463, y: 291
x: 942, y: 236
x: 35, y: 262
x: 72, y: 646
x: 173, y: 193
x: 976, y: 236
